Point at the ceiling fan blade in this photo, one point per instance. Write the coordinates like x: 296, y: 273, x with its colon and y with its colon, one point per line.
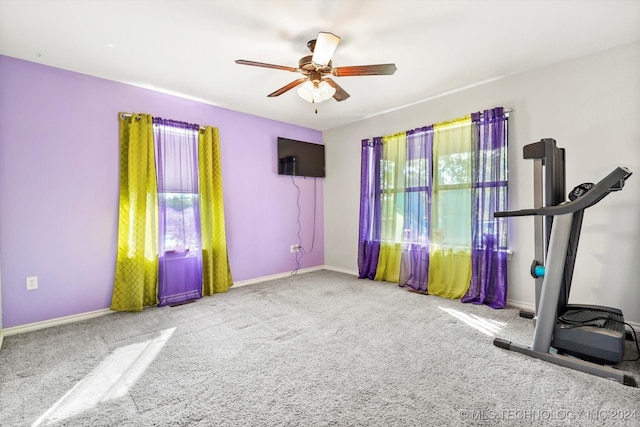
x: 340, y: 94
x: 265, y: 65
x: 287, y: 87
x: 365, y: 70
x: 325, y: 45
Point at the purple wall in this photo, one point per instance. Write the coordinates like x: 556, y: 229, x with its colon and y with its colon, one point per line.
x: 59, y: 188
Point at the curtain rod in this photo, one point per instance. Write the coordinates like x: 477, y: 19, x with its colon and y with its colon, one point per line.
x: 506, y: 112
x: 124, y: 115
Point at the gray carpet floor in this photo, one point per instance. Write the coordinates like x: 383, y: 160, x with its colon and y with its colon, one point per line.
x: 316, y: 349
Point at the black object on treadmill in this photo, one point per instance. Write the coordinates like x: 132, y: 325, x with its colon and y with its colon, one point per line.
x: 580, y: 190
x: 584, y: 317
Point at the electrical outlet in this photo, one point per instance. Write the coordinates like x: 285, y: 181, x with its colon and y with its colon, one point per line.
x: 32, y: 282
x: 295, y: 248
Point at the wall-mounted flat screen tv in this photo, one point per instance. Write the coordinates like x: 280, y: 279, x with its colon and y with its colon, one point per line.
x: 300, y: 158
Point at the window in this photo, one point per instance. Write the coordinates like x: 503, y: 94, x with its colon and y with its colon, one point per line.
x: 180, y: 231
x: 176, y: 147
x: 428, y: 198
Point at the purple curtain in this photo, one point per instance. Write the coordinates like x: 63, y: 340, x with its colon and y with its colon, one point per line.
x: 180, y: 248
x: 370, y: 206
x: 489, y: 245
x: 414, y: 267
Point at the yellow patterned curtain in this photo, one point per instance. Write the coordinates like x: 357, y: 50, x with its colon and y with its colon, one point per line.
x: 394, y: 148
x: 215, y: 262
x: 136, y: 275
x: 450, y: 239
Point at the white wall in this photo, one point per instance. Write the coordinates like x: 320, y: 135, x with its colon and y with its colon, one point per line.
x: 591, y: 106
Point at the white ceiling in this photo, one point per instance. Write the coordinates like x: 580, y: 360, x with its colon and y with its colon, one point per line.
x: 188, y: 47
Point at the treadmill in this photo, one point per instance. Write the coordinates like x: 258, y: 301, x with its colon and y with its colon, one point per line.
x: 581, y: 337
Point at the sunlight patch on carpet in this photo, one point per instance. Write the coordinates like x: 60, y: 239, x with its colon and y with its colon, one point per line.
x: 488, y: 327
x: 110, y: 380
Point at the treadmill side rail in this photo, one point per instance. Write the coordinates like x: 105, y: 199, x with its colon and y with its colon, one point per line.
x: 571, y: 362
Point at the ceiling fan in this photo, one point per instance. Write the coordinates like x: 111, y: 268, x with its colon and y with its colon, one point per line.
x: 316, y: 86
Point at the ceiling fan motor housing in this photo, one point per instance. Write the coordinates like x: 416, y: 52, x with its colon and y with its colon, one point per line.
x: 306, y: 65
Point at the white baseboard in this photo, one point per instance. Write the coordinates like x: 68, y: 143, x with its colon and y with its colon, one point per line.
x: 521, y: 305
x: 341, y: 270
x: 636, y: 326
x: 55, y: 322
x: 275, y: 276
x: 287, y: 274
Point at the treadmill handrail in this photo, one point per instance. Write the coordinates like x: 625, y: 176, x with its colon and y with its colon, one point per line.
x: 612, y: 182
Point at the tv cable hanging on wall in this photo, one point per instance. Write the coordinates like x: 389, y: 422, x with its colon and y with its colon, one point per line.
x: 302, y: 252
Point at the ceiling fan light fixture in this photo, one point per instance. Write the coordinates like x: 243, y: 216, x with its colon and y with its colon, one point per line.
x: 316, y: 93
x: 324, y: 48
x: 326, y: 90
